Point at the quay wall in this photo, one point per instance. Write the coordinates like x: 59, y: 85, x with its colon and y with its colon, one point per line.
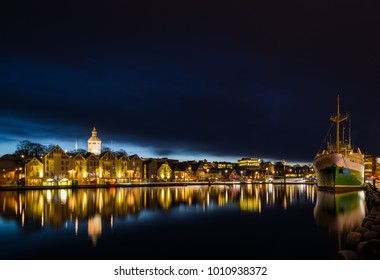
x: 153, y: 184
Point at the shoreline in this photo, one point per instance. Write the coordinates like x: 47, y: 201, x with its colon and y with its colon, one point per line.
x: 153, y: 184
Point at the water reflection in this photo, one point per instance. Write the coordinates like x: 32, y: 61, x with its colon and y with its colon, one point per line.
x: 101, y: 207
x: 340, y: 213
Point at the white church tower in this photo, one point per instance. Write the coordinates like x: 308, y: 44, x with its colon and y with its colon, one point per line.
x: 94, y: 143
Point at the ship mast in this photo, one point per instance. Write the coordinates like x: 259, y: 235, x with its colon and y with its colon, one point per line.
x: 337, y: 119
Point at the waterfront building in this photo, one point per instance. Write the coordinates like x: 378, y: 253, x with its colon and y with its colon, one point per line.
x: 92, y: 168
x: 34, y: 172
x: 57, y: 166
x: 122, y: 168
x: 79, y: 169
x: 134, y: 169
x: 94, y: 143
x: 107, y: 167
x: 213, y: 174
x: 198, y: 171
x: 150, y: 168
x: 267, y: 167
x: 369, y: 166
x: 224, y: 165
x: 229, y: 175
x: 10, y: 170
x: 164, y: 172
x: 377, y: 168
x: 182, y: 172
x: 250, y: 163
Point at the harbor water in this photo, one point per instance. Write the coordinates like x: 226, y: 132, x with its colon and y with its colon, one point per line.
x: 248, y: 221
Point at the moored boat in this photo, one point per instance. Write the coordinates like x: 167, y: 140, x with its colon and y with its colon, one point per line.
x: 339, y: 166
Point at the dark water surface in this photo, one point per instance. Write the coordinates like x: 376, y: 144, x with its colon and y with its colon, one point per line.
x: 195, y: 222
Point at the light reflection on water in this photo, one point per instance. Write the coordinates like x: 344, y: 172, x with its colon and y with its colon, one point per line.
x: 340, y: 213
x: 96, y: 212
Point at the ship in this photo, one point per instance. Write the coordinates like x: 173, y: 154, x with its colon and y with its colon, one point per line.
x: 339, y: 166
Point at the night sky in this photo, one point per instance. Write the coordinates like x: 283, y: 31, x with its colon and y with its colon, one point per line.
x: 190, y: 79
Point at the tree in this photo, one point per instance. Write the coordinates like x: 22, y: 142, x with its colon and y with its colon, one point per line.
x: 27, y: 149
x: 106, y: 149
x: 81, y: 151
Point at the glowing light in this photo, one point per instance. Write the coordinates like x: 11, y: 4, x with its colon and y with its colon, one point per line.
x: 63, y: 196
x: 94, y: 228
x: 76, y: 226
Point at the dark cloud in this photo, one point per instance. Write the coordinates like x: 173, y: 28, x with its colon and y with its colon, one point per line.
x: 246, y: 78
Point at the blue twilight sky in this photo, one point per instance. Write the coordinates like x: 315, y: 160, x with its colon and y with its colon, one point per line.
x: 189, y: 79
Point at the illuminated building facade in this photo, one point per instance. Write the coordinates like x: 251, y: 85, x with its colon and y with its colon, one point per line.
x: 198, y: 171
x: 122, y: 168
x: 250, y: 163
x: 369, y: 166
x: 92, y: 168
x: 79, y: 169
x: 107, y: 167
x: 10, y: 171
x: 213, y: 174
x: 134, y: 168
x: 182, y: 172
x: 34, y: 172
x: 94, y: 143
x: 57, y: 164
x: 164, y: 172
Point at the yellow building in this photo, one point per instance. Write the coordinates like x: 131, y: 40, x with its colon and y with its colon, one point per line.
x: 369, y: 166
x: 79, y: 169
x: 182, y: 172
x: 164, y: 172
x: 122, y: 168
x: 34, y: 172
x: 57, y: 166
x: 135, y: 169
x: 224, y: 165
x: 107, y: 167
x: 250, y: 163
x: 213, y: 174
x: 198, y: 171
x: 92, y: 168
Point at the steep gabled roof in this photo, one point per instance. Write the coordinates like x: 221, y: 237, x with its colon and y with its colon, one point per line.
x: 131, y: 157
x: 107, y: 153
x: 88, y: 155
x: 180, y: 166
x: 34, y: 159
x: 195, y: 166
x: 79, y: 156
x: 56, y: 148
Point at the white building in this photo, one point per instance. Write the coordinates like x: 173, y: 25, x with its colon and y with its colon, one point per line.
x: 94, y: 143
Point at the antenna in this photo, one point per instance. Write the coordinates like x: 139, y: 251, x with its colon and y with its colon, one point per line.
x: 111, y: 145
x: 76, y: 145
